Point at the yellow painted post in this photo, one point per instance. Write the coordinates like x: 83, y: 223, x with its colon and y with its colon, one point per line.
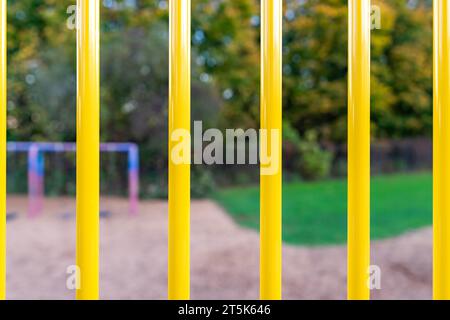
x: 179, y: 173
x: 358, y: 149
x: 3, y: 91
x: 88, y: 147
x: 441, y: 151
x: 271, y: 119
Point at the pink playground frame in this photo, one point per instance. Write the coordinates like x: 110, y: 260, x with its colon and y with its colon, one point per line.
x: 36, y: 169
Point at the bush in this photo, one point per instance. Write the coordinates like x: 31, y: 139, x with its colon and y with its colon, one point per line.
x: 315, y: 162
x: 304, y: 154
x: 202, y: 182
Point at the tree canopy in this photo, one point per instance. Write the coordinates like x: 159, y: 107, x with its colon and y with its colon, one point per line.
x: 225, y: 39
x: 225, y: 73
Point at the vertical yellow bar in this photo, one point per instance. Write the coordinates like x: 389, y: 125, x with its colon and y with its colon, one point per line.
x: 441, y: 151
x: 358, y: 149
x: 88, y: 147
x: 179, y: 125
x: 3, y: 91
x: 271, y: 120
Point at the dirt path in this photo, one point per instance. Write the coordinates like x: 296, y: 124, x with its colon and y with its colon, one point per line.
x: 224, y: 257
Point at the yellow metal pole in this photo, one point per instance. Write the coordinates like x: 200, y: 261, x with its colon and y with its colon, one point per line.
x: 88, y: 148
x: 3, y: 149
x: 179, y: 173
x: 441, y: 150
x: 358, y: 149
x: 271, y: 120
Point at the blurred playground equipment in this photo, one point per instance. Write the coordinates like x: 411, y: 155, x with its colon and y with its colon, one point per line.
x: 88, y: 146
x: 36, y: 169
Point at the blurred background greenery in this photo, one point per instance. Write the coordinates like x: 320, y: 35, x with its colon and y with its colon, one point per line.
x: 225, y: 89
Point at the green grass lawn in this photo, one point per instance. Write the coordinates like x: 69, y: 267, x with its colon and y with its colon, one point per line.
x: 315, y: 213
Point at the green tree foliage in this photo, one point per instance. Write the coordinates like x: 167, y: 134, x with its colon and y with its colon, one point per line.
x: 225, y: 73
x: 315, y: 85
x: 226, y: 56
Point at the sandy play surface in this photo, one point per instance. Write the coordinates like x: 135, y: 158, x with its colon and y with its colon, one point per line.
x: 224, y: 257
